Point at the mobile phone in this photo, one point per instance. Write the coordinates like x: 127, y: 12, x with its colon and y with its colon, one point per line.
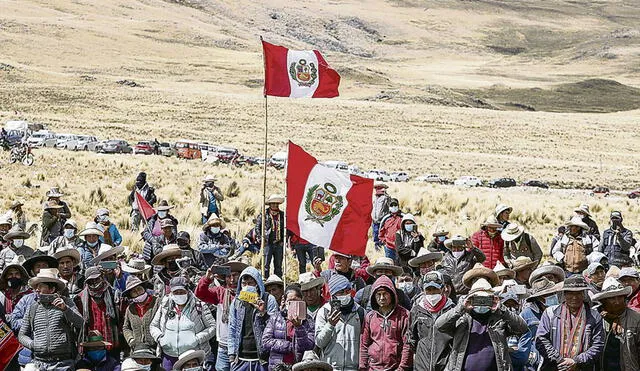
x: 297, y: 309
x: 319, y: 252
x: 47, y: 298
x: 479, y: 301
x: 221, y: 270
x: 335, y: 304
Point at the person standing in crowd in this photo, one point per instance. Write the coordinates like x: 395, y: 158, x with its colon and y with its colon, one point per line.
x: 285, y: 338
x: 13, y: 285
x: 629, y: 277
x: 408, y: 240
x: 275, y: 286
x: 594, y: 275
x: 502, y: 215
x: 426, y: 261
x: 437, y: 242
x: 274, y: 230
x: 380, y: 209
x: 196, y: 260
x: 17, y: 215
x: 549, y: 271
x: 342, y: 266
x: 621, y: 328
x: 430, y: 346
x: 488, y: 240
x: 304, y: 251
x: 518, y: 243
x: 190, y: 360
x: 247, y: 321
x: 523, y: 266
x: 570, y: 335
x: 154, y: 224
x: 111, y: 234
x: 156, y: 244
x: 383, y: 267
x: 69, y: 237
x: 504, y: 273
x: 574, y: 247
x: 109, y: 264
x: 181, y: 323
x: 210, y: 198
x: 95, y: 356
x: 406, y: 283
x: 15, y: 238
x: 51, y: 223
x: 215, y: 245
x: 480, y: 326
x: 145, y: 358
x: 147, y: 192
x: 582, y: 212
x: 5, y: 226
x: 311, y: 287
x: 170, y: 269
x: 249, y: 243
x: 69, y: 270
x: 461, y: 257
x: 89, y: 249
x: 561, y: 232
x: 139, y: 313
x: 138, y: 268
x: 386, y: 326
x: 389, y: 226
x: 339, y: 327
x: 54, y: 195
x: 617, y: 242
x: 50, y: 325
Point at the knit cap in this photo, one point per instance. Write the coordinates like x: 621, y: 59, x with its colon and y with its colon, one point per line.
x: 338, y: 283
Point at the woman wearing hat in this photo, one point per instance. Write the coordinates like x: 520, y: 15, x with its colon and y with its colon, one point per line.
x: 215, y: 245
x: 111, y: 234
x: 166, y: 259
x: 518, y: 243
x: 191, y: 360
x: 15, y: 239
x: 155, y: 244
x: 488, y: 240
x: 91, y: 245
x: 408, y: 240
x: 210, y: 198
x: 139, y: 313
x: 52, y: 222
x: 574, y: 247
x: 145, y: 358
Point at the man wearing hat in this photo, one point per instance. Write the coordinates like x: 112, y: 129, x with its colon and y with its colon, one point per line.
x: 15, y: 238
x: 480, y: 325
x: 430, y: 347
x: 155, y: 244
x: 69, y: 267
x: 311, y: 362
x: 190, y: 360
x: 389, y: 225
x: 523, y: 266
x: 582, y: 212
x: 574, y: 247
x: 342, y: 265
x: 549, y: 271
x: 13, y: 285
x: 380, y: 209
x: 50, y: 324
x: 437, y: 242
x: 561, y: 232
x: 154, y: 224
x: 274, y: 225
x: 166, y: 260
x: 148, y: 193
x: 461, y: 257
x: 518, y: 242
x: 383, y: 267
x: 215, y: 245
x: 51, y: 222
x: 275, y: 286
x: 95, y: 356
x: 221, y: 294
x: 17, y: 215
x: 489, y: 241
x: 426, y: 261
x: 629, y: 277
x: 5, y: 226
x: 145, y: 357
x: 54, y: 195
x: 570, y: 335
x: 91, y: 245
x: 616, y: 242
x: 502, y: 214
x: 138, y: 268
x: 210, y: 198
x: 107, y: 260
x: 311, y: 287
x: 409, y: 240
x: 69, y: 237
x: 504, y: 273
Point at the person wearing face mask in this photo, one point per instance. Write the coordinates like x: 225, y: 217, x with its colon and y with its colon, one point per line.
x: 147, y: 192
x: 311, y: 287
x: 91, y: 243
x: 111, y: 234
x: 95, y: 356
x: 426, y: 261
x: 488, y: 240
x: 215, y: 245
x: 621, y: 324
x: 616, y: 242
x: 383, y: 267
x: 154, y: 224
x: 380, y: 209
x: 406, y: 283
x: 51, y: 223
x: 210, y: 198
x: 13, y: 285
x: 389, y: 226
x: 461, y: 256
x: 437, y: 242
x: 339, y: 326
x: 154, y: 246
x: 342, y: 264
x: 107, y: 260
x: 139, y: 313
x: 69, y: 237
x: 144, y: 359
x: 274, y: 234
x: 430, y: 346
x: 69, y: 267
x: 570, y: 336
x: 286, y: 339
x: 183, y: 240
x: 191, y: 360
x: 582, y: 212
x: 169, y: 269
x: 97, y: 305
x: 54, y: 195
x: 15, y: 238
x: 408, y: 240
x: 480, y: 326
x: 572, y: 249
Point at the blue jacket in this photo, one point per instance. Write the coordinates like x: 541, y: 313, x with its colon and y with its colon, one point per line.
x: 115, y: 235
x: 526, y: 344
x: 236, y: 314
x: 17, y: 316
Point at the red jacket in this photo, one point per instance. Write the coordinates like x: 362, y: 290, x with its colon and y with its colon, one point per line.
x: 491, y: 247
x: 389, y: 225
x: 634, y: 302
x: 210, y: 294
x: 384, y: 344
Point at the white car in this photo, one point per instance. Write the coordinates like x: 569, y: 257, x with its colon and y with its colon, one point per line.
x: 38, y: 138
x: 380, y: 175
x: 338, y: 165
x: 429, y: 178
x: 81, y: 143
x: 468, y: 181
x: 399, y: 176
x: 63, y: 139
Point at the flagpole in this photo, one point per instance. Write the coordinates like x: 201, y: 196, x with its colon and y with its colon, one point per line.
x: 264, y: 185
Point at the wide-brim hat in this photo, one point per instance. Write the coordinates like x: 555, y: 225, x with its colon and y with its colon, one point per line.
x: 54, y: 192
x: 503, y: 271
x: 16, y: 232
x: 236, y: 265
x: 310, y: 360
x: 132, y: 283
x: 163, y: 206
x: 523, y: 262
x: 512, y: 232
x: 480, y: 271
x: 92, y: 228
x: 584, y: 208
x: 95, y: 340
x: 16, y: 203
x: 425, y: 255
x: 491, y: 221
x: 481, y: 287
x: 384, y: 263
x: 143, y: 351
x: 274, y: 280
x: 5, y: 219
x: 501, y: 208
x: 612, y: 288
x: 545, y: 269
x: 39, y: 256
x: 457, y: 238
x: 575, y: 283
x: 209, y: 178
x: 70, y: 252
x: 15, y: 263
x: 214, y: 218
x: 136, y: 266
x: 544, y: 287
x: 167, y: 251
x: 106, y: 251
x: 274, y: 199
x: 440, y: 231
x: 129, y: 364
x: 308, y: 281
x: 47, y: 275
x: 188, y: 356
x: 577, y: 221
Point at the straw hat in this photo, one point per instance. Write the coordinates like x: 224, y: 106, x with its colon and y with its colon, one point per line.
x: 480, y: 271
x: 136, y: 266
x: 68, y: 251
x: 455, y: 239
x: 16, y: 263
x: 545, y: 269
x: 95, y: 340
x: 544, y: 287
x: 16, y: 232
x: 308, y: 281
x: 5, y: 219
x: 51, y: 205
x: 584, y: 209
x: 102, y: 211
x: 106, y: 251
x: 209, y: 178
x: 481, y: 287
x: 310, y: 360
x: 212, y: 219
x: 238, y: 265
x: 384, y: 263
x: 92, y: 228
x: 611, y: 288
x: 575, y: 283
x: 167, y: 251
x: 274, y: 280
x: 425, y: 255
x: 512, y: 232
x: 274, y: 199
x: 502, y: 207
x: 143, y: 351
x: 54, y: 192
x: 133, y: 282
x: 503, y: 271
x: 16, y: 203
x: 523, y: 262
x: 188, y: 356
x: 39, y: 256
x: 130, y: 364
x: 491, y: 221
x: 48, y: 275
x: 440, y: 231
x: 577, y: 221
x: 163, y: 206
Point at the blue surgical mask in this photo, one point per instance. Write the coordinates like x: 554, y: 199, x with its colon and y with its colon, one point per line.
x: 96, y: 355
x: 215, y: 230
x: 393, y: 209
x: 442, y: 238
x: 69, y: 233
x: 144, y: 367
x: 551, y: 300
x: 162, y: 214
x: 482, y: 309
x: 409, y: 227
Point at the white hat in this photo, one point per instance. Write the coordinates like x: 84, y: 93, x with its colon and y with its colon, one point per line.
x: 502, y: 207
x: 425, y: 255
x: 106, y: 251
x: 130, y: 364
x: 92, y: 228
x: 512, y: 232
x: 49, y: 275
x: 584, y: 208
x: 308, y: 281
x: 275, y: 199
x: 481, y: 287
x: 188, y: 356
x: 503, y: 271
x: 577, y: 221
x: 611, y: 288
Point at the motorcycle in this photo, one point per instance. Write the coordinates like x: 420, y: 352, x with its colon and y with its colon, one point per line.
x: 23, y: 154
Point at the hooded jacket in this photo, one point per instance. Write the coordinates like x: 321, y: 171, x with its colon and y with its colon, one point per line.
x: 237, y: 315
x: 407, y: 245
x: 430, y: 346
x: 491, y: 247
x: 339, y: 344
x: 389, y: 225
x: 384, y: 341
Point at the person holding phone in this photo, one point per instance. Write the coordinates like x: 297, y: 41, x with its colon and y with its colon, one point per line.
x: 290, y: 332
x: 460, y: 258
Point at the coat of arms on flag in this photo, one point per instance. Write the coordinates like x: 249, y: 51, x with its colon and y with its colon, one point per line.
x: 322, y: 203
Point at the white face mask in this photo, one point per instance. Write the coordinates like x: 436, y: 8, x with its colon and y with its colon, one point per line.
x: 393, y: 209
x: 162, y: 214
x: 93, y: 244
x: 69, y: 233
x: 180, y: 299
x: 433, y: 299
x: 144, y: 367
x: 18, y: 243
x: 482, y: 309
x: 457, y: 254
x: 215, y: 230
x: 344, y: 300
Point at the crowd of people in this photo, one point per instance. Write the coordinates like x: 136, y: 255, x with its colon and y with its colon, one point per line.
x: 490, y: 301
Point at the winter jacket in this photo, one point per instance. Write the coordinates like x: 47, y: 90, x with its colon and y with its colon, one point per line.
x: 271, y: 236
x: 407, y: 246
x: 527, y: 357
x: 430, y: 346
x: 116, y: 238
x: 633, y: 303
x: 176, y: 333
x: 259, y: 321
x: 491, y: 247
x: 7, y: 254
x: 205, y: 197
x: 629, y: 341
x: 616, y: 246
x: 340, y: 344
x: 559, y: 250
x: 146, y: 191
x: 50, y: 332
x: 365, y: 299
x: 275, y: 339
x: 526, y: 245
x: 593, y: 226
x: 88, y: 253
x: 384, y: 343
x: 51, y: 228
x: 136, y: 329
x: 548, y: 339
x: 154, y: 245
x: 456, y: 268
x: 501, y: 324
x: 20, y: 311
x: 380, y: 207
x: 147, y: 233
x: 215, y: 248
x: 389, y: 225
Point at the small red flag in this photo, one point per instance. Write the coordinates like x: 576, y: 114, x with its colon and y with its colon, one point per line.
x: 143, y: 206
x: 9, y: 345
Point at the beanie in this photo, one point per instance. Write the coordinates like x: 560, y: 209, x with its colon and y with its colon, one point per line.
x: 338, y: 283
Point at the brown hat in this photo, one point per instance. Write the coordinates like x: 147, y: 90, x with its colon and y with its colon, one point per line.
x: 167, y: 223
x: 167, y: 251
x: 163, y: 206
x: 480, y: 271
x: 523, y: 262
x: 503, y: 271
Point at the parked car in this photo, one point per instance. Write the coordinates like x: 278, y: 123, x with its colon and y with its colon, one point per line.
x: 63, y: 139
x: 502, y: 183
x: 338, y: 165
x: 429, y: 178
x: 468, y: 181
x: 227, y: 155
x: 634, y: 194
x: 278, y: 160
x: 399, y: 176
x: 604, y: 191
x: 167, y: 149
x: 86, y: 143
x: 38, y: 138
x: 116, y: 146
x: 535, y: 183
x: 380, y: 175
x: 145, y: 148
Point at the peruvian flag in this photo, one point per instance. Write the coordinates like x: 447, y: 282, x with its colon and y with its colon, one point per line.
x: 298, y: 73
x: 325, y: 206
x: 143, y: 206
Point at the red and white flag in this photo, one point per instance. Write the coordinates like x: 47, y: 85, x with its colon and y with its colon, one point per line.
x: 144, y: 207
x: 298, y: 73
x: 325, y: 206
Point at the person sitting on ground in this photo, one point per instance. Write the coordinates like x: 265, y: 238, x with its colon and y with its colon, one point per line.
x: 111, y: 234
x: 518, y: 243
x: 69, y: 237
x: 461, y: 257
x: 249, y: 243
x: 215, y: 246
x: 409, y: 240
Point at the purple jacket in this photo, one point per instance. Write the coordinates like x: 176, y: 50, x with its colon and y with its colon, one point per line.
x: 274, y: 339
x: 548, y: 339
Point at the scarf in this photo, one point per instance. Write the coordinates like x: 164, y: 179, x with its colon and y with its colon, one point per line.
x: 434, y: 309
x: 276, y: 225
x: 571, y: 333
x: 109, y: 305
